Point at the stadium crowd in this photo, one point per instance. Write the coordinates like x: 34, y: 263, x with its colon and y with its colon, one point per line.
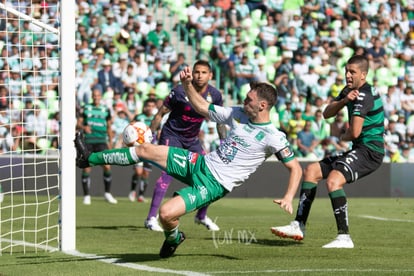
x: 299, y: 46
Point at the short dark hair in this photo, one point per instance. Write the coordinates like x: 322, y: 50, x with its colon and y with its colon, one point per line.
x: 361, y: 61
x: 265, y: 91
x: 202, y: 63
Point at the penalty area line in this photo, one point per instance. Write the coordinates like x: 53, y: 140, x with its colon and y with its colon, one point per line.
x: 385, y: 219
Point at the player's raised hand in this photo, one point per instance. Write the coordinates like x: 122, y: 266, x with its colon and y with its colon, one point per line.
x: 352, y: 95
x: 186, y: 75
x: 284, y: 204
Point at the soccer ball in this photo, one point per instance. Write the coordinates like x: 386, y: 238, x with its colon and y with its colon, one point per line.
x: 136, y: 134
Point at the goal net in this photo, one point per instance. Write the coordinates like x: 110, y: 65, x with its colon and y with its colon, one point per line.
x: 31, y: 129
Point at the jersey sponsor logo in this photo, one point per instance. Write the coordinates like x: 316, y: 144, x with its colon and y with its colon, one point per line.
x: 191, y: 119
x: 241, y: 141
x: 119, y: 158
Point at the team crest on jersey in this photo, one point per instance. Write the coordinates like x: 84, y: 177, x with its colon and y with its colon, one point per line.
x: 259, y: 136
x: 209, y: 98
x: 192, y: 157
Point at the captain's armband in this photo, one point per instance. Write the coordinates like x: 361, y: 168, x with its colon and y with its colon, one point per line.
x: 285, y: 153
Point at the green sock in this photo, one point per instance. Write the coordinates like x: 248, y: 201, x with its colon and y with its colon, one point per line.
x: 172, y: 236
x: 121, y: 157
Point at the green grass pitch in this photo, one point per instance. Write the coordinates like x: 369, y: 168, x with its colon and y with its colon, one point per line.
x: 382, y: 231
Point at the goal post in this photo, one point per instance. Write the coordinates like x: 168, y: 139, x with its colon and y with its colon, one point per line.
x: 37, y: 126
x: 68, y: 103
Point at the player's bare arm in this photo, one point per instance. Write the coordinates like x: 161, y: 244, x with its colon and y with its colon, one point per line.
x: 354, y: 130
x: 222, y: 131
x: 294, y: 181
x: 197, y: 101
x: 334, y: 107
x: 156, y: 121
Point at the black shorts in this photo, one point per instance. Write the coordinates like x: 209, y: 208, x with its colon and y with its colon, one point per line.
x: 97, y: 147
x: 353, y: 164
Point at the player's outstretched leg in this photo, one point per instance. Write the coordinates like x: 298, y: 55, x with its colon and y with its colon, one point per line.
x: 82, y: 152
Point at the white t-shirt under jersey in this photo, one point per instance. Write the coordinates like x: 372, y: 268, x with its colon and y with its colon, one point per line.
x: 247, y: 146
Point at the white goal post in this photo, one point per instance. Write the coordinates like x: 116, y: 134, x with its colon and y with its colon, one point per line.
x: 37, y: 126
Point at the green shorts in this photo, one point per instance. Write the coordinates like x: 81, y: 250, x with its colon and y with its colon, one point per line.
x: 190, y: 168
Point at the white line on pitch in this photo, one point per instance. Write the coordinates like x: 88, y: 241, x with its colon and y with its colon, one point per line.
x: 105, y: 259
x: 386, y: 219
x: 119, y: 262
x: 323, y: 270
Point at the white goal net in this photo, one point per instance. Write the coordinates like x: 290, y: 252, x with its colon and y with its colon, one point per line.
x: 30, y: 126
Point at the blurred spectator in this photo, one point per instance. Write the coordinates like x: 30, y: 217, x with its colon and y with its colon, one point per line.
x: 112, y: 53
x: 176, y: 67
x: 245, y: 72
x: 206, y: 24
x: 167, y: 52
x: 407, y: 154
x: 407, y: 101
x: 392, y: 138
x: 133, y: 101
x: 138, y: 39
x: 391, y: 102
x: 86, y: 79
x: 141, y: 16
x: 320, y: 127
x: 122, y: 15
x: 285, y: 113
x: 121, y: 120
x: 401, y: 125
x: 285, y: 89
x: 122, y: 41
x: 307, y: 142
x: 120, y: 66
x: 289, y: 41
x: 194, y: 11
x: 129, y: 78
x: 337, y: 86
x: 156, y: 73
x: 148, y: 25
x: 295, y: 125
x: 98, y: 59
x: 211, y: 139
x: 268, y: 35
x: 110, y: 28
x: 235, y: 58
x: 234, y: 14
x: 36, y: 122
x: 260, y: 74
x: 338, y: 127
x: 107, y: 80
x: 377, y: 55
x: 157, y: 36
x: 321, y: 89
x: 140, y: 68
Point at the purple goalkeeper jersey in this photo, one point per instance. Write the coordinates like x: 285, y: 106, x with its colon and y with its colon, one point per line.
x: 184, y: 122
